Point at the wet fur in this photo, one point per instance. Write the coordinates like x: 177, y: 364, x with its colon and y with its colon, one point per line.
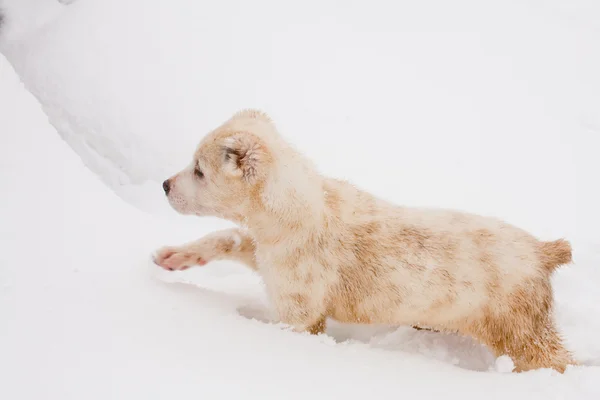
x: 327, y: 249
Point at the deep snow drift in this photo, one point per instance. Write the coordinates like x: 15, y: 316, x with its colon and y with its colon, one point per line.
x: 85, y: 315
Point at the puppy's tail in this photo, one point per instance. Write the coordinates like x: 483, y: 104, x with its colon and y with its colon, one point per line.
x: 555, y: 253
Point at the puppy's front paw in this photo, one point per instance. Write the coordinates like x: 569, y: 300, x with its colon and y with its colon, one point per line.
x: 177, y: 259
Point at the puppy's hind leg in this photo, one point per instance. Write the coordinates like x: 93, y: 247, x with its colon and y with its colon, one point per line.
x: 529, y: 349
x: 523, y: 329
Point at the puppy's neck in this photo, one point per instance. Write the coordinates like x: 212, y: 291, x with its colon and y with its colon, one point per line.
x: 293, y: 207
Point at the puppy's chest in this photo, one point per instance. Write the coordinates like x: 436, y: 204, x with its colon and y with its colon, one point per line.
x: 285, y: 268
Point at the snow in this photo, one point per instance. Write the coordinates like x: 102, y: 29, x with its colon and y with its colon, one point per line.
x: 492, y: 108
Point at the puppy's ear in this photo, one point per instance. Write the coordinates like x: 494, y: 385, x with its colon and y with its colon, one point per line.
x: 245, y: 155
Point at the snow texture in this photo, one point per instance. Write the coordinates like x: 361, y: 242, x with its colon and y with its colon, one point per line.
x: 490, y: 107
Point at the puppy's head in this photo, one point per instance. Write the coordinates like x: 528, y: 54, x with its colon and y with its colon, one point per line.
x: 228, y: 170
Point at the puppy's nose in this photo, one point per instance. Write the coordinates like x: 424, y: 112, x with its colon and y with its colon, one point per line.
x: 167, y: 187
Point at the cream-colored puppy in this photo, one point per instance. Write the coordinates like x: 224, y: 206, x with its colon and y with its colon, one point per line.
x: 329, y: 250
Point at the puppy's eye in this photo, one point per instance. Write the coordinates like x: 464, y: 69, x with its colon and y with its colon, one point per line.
x: 198, y: 172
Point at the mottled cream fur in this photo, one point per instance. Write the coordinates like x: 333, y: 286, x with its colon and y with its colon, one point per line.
x: 329, y: 250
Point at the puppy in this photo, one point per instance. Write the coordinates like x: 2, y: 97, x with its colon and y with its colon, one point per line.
x: 326, y: 249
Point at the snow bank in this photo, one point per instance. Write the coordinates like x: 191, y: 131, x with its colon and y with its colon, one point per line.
x: 491, y: 108
x: 20, y: 19
x: 85, y: 315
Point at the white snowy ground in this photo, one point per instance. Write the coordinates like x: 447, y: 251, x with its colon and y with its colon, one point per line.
x: 490, y: 108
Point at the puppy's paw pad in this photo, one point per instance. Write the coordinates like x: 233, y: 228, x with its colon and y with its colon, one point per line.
x: 174, y: 259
